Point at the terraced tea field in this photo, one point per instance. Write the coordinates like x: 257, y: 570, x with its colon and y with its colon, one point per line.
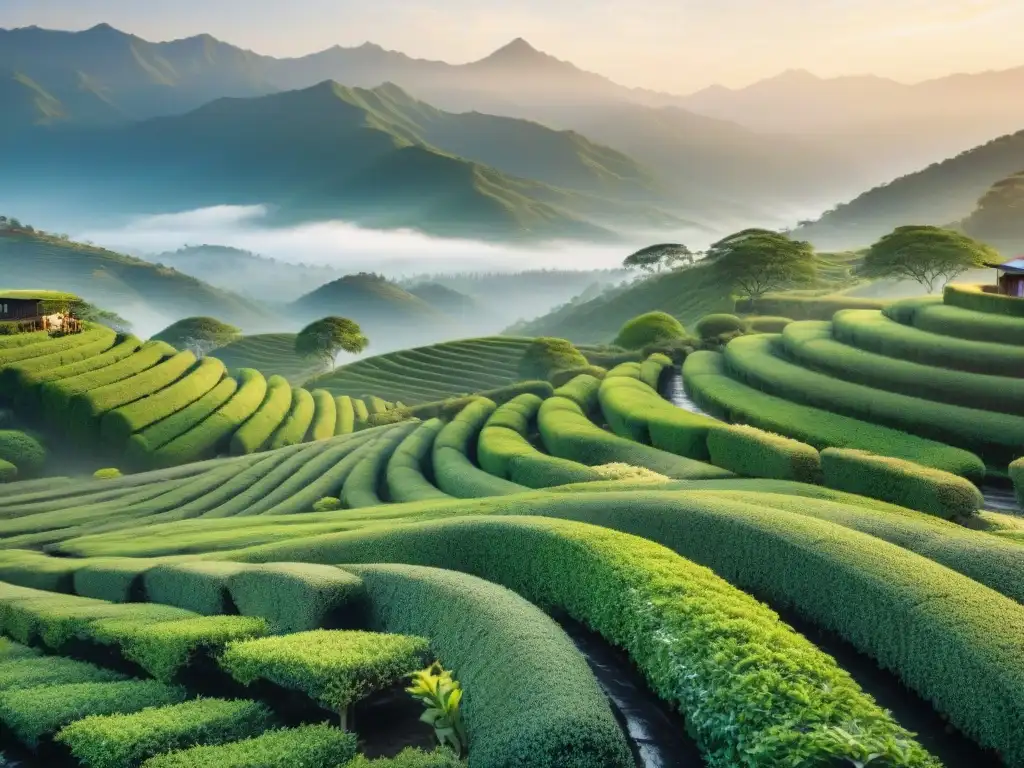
x: 272, y: 354
x: 267, y: 607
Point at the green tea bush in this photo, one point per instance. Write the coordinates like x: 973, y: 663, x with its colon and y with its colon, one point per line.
x: 107, y: 473
x: 966, y: 324
x: 974, y: 298
x: 311, y: 746
x: 652, y: 368
x: 36, y: 570
x: 995, y: 437
x: 544, y: 356
x: 127, y: 740
x: 36, y: 713
x: 766, y: 323
x: 367, y: 479
x: 582, y: 390
x: 410, y: 757
x: 811, y: 344
x: 212, y: 434
x: 8, y: 472
x: 197, y: 586
x: 254, y: 434
x: 568, y: 433
x: 23, y: 451
x: 361, y: 412
x: 165, y: 648
x: 296, y: 597
x: 334, y: 668
x: 27, y: 373
x: 346, y: 415
x: 327, y: 504
x: 59, y: 619
x: 708, y: 383
x: 11, y: 650
x: 408, y: 470
x: 635, y: 411
x: 325, y: 419
x: 649, y: 328
x: 561, y: 378
x: 51, y: 670
x: 121, y: 423
x: 295, y: 425
x: 712, y: 326
x: 117, y: 580
x: 745, y: 682
x: 753, y: 452
x: 807, y: 307
x: 449, y: 409
x: 900, y: 482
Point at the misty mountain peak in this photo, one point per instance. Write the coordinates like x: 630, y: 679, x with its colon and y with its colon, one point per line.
x: 103, y: 29
x: 518, y: 53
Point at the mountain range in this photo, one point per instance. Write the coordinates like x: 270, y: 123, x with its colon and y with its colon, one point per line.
x: 518, y: 144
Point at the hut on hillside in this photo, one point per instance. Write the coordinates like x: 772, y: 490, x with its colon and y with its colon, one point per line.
x: 1010, y: 280
x: 40, y: 311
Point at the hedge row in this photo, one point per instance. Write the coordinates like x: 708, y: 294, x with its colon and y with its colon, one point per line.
x: 995, y: 437
x: 874, y: 332
x: 652, y: 369
x: 56, y: 396
x: 807, y: 307
x: 569, y: 434
x: 311, y: 746
x: 87, y: 408
x: 966, y: 324
x: 346, y: 415
x: 141, y: 446
x: 582, y: 390
x: 10, y: 356
x: 254, y: 434
x: 812, y: 345
x: 207, y: 438
x: 362, y: 413
x: 975, y: 298
x: 130, y: 740
x: 455, y: 450
x: 89, y: 344
x: 900, y: 482
x: 325, y: 416
x: 706, y: 381
x: 8, y: 472
x: 408, y: 470
x: 447, y: 409
x: 120, y: 424
x: 745, y: 682
x: 755, y: 453
x: 505, y: 451
x: 367, y: 479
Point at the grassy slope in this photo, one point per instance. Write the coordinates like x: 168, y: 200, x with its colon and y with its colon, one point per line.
x: 270, y: 354
x: 114, y: 280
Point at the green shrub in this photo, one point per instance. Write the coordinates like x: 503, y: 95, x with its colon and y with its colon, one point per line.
x: 544, y: 356
x: 11, y: 650
x: 35, y: 713
x: 126, y: 740
x: 165, y: 648
x: 561, y: 378
x: 712, y: 326
x: 649, y: 328
x: 346, y: 415
x: 311, y: 746
x: 753, y: 452
x: 631, y: 473
x: 325, y: 419
x: 707, y: 382
x: 900, y: 482
x: 8, y: 472
x: 410, y: 757
x: 965, y: 324
x: 976, y: 299
x: 198, y: 586
x: 995, y: 437
x: 449, y: 409
x: 766, y: 323
x: 254, y: 434
x: 205, y: 439
x: 702, y: 644
x: 327, y: 504
x: 23, y: 451
x: 408, y: 470
x: 334, y: 668
x: 36, y: 570
x: 808, y: 307
x: 366, y: 480
x: 293, y: 429
x: 360, y: 411
x: 569, y: 434
x: 108, y: 473
x: 296, y: 597
x: 50, y: 670
x: 118, y: 580
x: 652, y: 368
x: 120, y: 424
x: 25, y: 374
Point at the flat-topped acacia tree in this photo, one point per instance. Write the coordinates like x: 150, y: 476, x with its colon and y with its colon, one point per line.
x: 325, y: 338
x: 757, y: 261
x: 926, y: 255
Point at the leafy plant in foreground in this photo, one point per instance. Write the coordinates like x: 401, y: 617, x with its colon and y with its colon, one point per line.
x: 441, y: 694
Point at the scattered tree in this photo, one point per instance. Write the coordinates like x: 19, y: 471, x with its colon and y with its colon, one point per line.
x: 545, y: 356
x: 655, y: 258
x: 324, y: 339
x: 756, y: 261
x: 199, y: 335
x: 927, y: 255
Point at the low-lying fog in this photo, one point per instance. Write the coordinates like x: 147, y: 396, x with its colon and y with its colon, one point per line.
x: 345, y: 246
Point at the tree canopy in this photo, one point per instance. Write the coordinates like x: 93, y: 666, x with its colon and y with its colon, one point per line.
x: 756, y: 261
x: 324, y: 339
x: 199, y: 334
x: 654, y: 258
x: 926, y: 255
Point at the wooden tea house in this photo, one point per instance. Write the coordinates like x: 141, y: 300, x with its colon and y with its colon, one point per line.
x: 40, y: 311
x: 1010, y: 280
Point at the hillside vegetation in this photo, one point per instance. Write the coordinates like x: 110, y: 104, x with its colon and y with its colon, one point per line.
x: 272, y: 354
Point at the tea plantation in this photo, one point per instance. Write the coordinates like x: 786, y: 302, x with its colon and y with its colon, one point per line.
x: 261, y: 590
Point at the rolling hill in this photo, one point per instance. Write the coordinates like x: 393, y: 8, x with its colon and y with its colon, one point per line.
x: 939, y: 194
x: 331, y: 151
x: 999, y: 217
x: 146, y: 294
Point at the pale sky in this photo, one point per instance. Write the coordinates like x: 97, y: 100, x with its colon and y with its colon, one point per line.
x: 672, y: 45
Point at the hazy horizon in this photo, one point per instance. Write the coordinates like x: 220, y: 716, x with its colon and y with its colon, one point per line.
x: 667, y: 45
